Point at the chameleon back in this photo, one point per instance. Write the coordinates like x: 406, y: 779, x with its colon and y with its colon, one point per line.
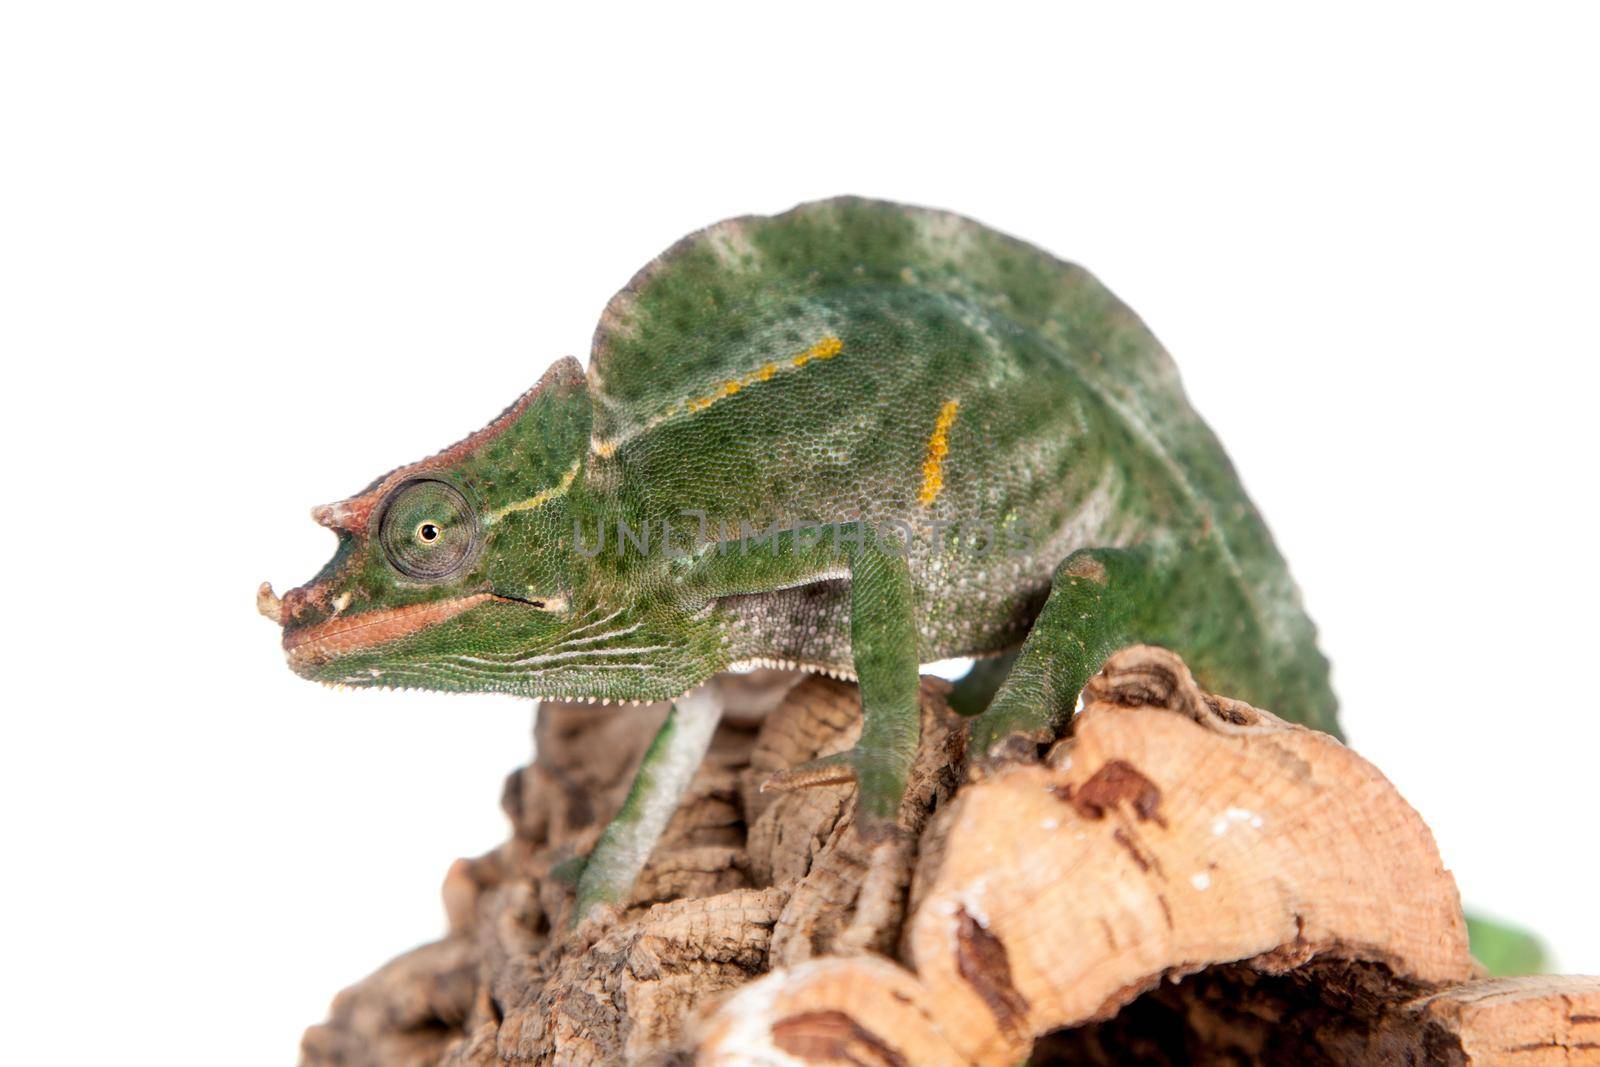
x: 858, y: 360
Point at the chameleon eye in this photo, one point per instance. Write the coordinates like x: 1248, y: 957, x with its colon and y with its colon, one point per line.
x: 428, y: 530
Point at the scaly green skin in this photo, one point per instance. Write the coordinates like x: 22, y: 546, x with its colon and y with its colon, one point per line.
x: 853, y: 364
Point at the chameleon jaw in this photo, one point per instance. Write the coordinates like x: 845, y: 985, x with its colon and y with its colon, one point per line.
x: 311, y: 646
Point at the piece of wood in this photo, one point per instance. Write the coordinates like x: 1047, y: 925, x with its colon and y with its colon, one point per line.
x: 1184, y: 878
x: 1171, y: 832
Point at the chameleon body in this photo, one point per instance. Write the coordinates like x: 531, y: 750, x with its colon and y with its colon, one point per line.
x: 854, y: 438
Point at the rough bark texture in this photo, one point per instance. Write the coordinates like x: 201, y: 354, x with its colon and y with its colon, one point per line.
x: 1184, y: 879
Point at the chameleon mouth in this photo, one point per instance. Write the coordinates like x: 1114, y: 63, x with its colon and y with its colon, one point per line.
x: 312, y: 646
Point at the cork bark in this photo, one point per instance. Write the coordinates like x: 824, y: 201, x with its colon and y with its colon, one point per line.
x: 1183, y: 879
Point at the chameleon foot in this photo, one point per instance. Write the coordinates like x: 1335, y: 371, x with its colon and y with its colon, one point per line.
x: 1094, y: 607
x: 881, y: 783
x: 990, y: 754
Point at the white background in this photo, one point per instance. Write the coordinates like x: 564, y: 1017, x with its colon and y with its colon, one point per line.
x: 255, y: 254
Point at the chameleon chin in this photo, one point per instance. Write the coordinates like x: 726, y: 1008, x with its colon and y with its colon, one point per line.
x: 760, y: 403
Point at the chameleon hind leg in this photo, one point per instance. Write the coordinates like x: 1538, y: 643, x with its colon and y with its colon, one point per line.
x: 669, y: 766
x: 1100, y: 600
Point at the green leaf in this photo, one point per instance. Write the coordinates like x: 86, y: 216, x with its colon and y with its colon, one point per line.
x: 1505, y: 950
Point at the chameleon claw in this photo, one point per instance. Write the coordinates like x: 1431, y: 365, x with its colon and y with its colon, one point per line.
x: 988, y: 754
x: 880, y: 787
x: 1013, y: 751
x: 872, y: 827
x: 836, y: 769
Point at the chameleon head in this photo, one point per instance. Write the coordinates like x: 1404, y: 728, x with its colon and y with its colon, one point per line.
x: 459, y: 573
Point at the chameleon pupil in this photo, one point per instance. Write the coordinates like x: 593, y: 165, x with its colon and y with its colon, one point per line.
x: 428, y: 532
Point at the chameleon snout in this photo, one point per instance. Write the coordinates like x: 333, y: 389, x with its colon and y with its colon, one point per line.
x: 292, y: 607
x: 285, y: 610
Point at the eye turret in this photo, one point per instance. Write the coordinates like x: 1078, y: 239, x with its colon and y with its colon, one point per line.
x: 428, y: 530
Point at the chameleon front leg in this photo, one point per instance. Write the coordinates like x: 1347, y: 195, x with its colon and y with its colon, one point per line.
x: 669, y: 765
x: 1100, y: 600
x: 883, y: 645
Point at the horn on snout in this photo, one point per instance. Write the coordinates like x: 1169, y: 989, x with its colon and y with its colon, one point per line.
x: 269, y: 603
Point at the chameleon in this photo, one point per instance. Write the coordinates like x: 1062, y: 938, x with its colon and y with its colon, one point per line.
x: 853, y: 438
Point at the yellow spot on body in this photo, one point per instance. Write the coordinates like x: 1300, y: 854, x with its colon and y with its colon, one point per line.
x: 543, y: 496
x: 938, y: 448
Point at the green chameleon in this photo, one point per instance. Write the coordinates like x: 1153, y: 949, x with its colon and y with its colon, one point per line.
x: 853, y: 438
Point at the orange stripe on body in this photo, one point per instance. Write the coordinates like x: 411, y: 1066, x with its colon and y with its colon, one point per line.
x: 938, y: 448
